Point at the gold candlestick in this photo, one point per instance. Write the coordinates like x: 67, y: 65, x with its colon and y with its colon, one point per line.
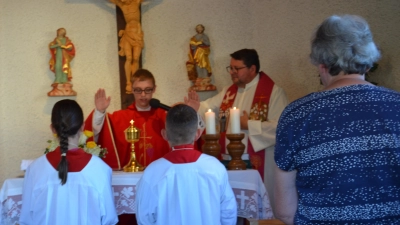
x: 132, y: 135
x: 211, y: 145
x: 236, y: 150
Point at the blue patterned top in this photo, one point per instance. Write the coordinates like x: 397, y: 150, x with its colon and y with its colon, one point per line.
x: 345, y: 145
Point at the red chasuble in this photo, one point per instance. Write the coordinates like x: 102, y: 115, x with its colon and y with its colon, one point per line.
x: 151, y: 145
x: 260, y: 102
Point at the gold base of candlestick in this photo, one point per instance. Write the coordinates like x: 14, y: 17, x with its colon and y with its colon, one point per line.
x: 211, y: 145
x: 236, y: 149
x: 133, y: 165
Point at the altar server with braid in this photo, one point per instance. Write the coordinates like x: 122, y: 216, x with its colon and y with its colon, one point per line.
x: 68, y: 185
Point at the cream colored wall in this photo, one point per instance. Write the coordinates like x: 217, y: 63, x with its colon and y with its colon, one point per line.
x: 283, y: 34
x: 168, y: 27
x: 27, y: 27
x: 279, y: 29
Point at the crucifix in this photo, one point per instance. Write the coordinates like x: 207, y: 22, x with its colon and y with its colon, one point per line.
x: 130, y: 37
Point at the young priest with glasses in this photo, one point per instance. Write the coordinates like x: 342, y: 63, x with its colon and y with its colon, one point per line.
x: 109, y: 128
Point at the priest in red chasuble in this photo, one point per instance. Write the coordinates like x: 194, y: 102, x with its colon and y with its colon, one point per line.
x: 260, y: 101
x: 109, y: 128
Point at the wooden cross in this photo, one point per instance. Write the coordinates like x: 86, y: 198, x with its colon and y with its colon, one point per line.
x: 126, y: 99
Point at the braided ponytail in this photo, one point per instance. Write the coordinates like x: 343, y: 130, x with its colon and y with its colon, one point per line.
x: 66, y: 119
x: 63, y: 165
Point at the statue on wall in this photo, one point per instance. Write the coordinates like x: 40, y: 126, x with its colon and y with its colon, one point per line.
x: 131, y: 42
x: 198, y: 66
x: 62, y: 52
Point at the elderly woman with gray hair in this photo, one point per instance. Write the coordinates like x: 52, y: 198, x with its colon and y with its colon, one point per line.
x: 337, y: 152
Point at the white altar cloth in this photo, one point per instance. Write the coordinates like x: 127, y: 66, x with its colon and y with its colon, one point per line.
x: 251, y: 195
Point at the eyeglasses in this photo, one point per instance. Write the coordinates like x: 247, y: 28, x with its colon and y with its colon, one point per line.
x: 234, y: 69
x: 146, y: 90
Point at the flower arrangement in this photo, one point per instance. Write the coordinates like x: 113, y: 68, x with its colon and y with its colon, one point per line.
x: 89, y: 147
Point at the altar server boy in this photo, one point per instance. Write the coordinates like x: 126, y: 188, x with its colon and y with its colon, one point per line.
x: 185, y: 186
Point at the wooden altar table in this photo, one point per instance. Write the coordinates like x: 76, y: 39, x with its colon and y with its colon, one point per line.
x: 251, y: 195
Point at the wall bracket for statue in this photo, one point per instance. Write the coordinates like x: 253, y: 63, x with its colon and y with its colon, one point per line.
x: 62, y: 52
x: 62, y: 90
x: 198, y: 66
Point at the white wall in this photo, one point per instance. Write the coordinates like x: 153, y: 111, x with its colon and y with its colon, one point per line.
x: 279, y: 29
x: 27, y: 27
x: 168, y: 27
x: 283, y: 34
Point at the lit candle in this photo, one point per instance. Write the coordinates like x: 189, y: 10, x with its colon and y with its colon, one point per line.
x: 210, y: 122
x: 234, y: 118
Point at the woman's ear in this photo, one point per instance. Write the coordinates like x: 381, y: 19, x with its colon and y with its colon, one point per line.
x: 323, y: 70
x: 324, y: 74
x: 52, y: 129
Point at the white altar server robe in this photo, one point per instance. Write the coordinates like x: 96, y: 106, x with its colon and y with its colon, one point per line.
x: 191, y: 193
x: 86, y: 198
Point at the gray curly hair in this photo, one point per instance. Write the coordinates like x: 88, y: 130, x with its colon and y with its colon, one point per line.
x: 344, y: 43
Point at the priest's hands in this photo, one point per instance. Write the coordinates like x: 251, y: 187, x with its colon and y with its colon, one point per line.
x: 244, y: 121
x: 101, y: 101
x: 193, y: 100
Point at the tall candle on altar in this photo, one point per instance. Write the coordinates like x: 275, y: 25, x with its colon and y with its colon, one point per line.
x: 234, y: 118
x: 210, y: 122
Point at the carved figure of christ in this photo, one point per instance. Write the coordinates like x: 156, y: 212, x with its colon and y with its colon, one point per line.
x: 131, y: 38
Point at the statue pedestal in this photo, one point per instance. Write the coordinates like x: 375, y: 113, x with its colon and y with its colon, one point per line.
x: 203, y: 84
x: 236, y: 149
x: 62, y: 90
x: 211, y: 145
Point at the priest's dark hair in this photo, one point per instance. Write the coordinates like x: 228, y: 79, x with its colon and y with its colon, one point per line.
x: 66, y: 120
x: 248, y: 56
x: 181, y: 125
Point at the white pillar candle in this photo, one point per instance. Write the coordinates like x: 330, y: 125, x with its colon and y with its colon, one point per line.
x: 234, y: 118
x: 210, y: 122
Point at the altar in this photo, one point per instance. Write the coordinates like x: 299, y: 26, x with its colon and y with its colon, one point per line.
x: 251, y: 196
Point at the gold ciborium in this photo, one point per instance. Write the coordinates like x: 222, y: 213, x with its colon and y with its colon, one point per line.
x: 132, y: 135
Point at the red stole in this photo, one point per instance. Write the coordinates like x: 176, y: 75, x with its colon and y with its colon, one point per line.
x: 183, y: 154
x: 260, y: 100
x: 151, y: 145
x: 77, y: 159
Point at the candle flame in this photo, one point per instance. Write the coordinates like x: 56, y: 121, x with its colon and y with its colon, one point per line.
x: 234, y: 108
x: 209, y: 110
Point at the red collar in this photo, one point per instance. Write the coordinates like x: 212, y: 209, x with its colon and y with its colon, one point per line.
x: 77, y: 159
x: 179, y: 157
